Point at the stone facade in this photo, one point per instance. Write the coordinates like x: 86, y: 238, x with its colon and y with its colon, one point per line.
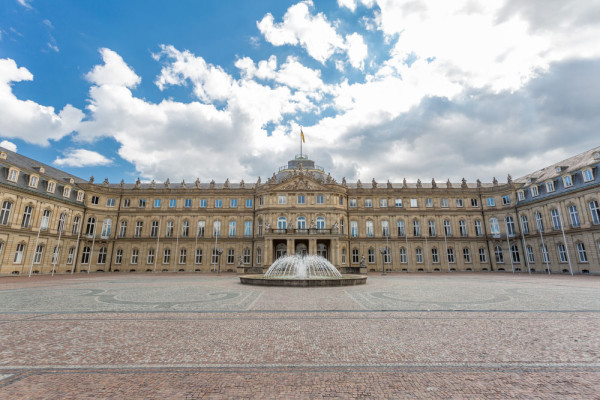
x: 53, y: 221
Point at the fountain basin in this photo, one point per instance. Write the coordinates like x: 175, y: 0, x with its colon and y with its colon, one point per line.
x: 344, y: 280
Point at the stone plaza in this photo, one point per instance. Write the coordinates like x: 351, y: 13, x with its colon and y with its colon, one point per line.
x: 191, y: 336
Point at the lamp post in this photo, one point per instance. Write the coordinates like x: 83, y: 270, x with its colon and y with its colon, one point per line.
x: 384, y: 251
x: 219, y: 252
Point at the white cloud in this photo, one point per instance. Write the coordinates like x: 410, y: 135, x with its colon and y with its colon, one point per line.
x: 53, y: 47
x: 114, y: 72
x: 8, y: 145
x: 313, y: 32
x: 25, y: 3
x: 26, y: 119
x: 81, y: 158
x: 349, y: 4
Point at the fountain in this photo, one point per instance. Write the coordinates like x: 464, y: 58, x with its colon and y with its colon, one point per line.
x: 303, y: 270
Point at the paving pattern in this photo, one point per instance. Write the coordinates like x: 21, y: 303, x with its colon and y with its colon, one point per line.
x: 192, y: 336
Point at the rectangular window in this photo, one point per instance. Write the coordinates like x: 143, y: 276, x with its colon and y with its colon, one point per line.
x: 413, y: 203
x: 419, y: 254
x: 301, y: 199
x: 478, y: 230
x: 581, y: 253
x: 435, y: 257
x: 150, y: 257
x: 13, y: 175
x: 246, y: 256
x: 201, y: 227
x: 368, y: 203
x: 248, y: 203
x: 398, y: 203
x: 71, y: 255
x: 198, y: 258
x: 187, y: 203
x: 126, y: 203
x: 562, y: 253
x: 51, y: 187
x: 550, y: 186
x: 281, y: 199
x: 588, y: 175
x: 595, y: 212
x: 260, y: 201
x: 459, y: 202
x: 506, y: 200
x: 568, y: 181
x: 491, y: 202
x: 134, y: 256
x: 352, y: 203
x: 230, y: 256
x: 203, y: 203
x: 232, y: 228
x: 383, y: 203
x: 172, y: 203
x: 474, y: 202
x: 248, y: 229
x: 142, y: 203
x: 218, y: 203
x: 110, y: 202
x: 534, y: 191
x: 95, y: 200
x: 370, y: 232
x: 157, y: 203
x: 451, y: 255
x: 320, y: 199
x: 444, y: 203
x: 521, y: 195
x: 482, y: 255
x: 233, y: 203
x: 428, y: 203
x: 33, y: 181
x: 167, y: 256
x: 182, y: 256
x: 574, y: 216
x: 354, y: 229
x: 259, y: 256
x: 467, y: 255
x: 80, y: 196
x: 138, y: 229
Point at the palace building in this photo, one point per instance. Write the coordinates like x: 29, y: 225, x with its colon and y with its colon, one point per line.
x: 545, y: 222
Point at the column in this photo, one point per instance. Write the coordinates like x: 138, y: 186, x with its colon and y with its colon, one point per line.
x: 312, y: 246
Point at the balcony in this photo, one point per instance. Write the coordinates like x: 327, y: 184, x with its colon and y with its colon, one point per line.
x: 312, y: 231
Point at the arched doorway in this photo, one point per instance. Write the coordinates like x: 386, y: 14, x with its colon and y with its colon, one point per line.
x: 301, y: 249
x: 280, y: 250
x: 322, y: 250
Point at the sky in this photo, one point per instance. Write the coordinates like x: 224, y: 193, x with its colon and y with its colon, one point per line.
x: 384, y: 89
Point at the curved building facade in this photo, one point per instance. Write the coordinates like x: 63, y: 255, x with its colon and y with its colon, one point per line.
x: 545, y: 222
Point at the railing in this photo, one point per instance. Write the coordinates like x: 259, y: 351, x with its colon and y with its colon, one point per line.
x: 310, y: 231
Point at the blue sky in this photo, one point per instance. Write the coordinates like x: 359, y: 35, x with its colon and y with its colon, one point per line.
x: 215, y: 90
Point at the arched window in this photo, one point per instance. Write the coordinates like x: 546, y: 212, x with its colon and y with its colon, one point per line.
x: 530, y: 256
x: 90, y: 230
x: 525, y: 224
x: 26, y: 222
x: 387, y: 255
x: 182, y: 255
x: 150, y: 256
x: 154, y: 229
x: 499, y: 254
x: 514, y: 253
x: 62, y: 219
x: 45, y: 220
x: 435, y: 257
x: 322, y: 250
x: 167, y: 256
x: 467, y: 254
x: 280, y: 250
x: 451, y: 255
x: 102, y: 255
x: 106, y: 228
x: 185, y: 228
x: 355, y: 259
x: 462, y: 225
x: 416, y: 228
x: 198, y: 258
x: 385, y: 228
x: 419, y: 255
x: 19, y: 253
x: 246, y: 256
x: 232, y: 228
x: 76, y: 220
x: 510, y: 226
x: 320, y: 223
x: 545, y: 254
x: 555, y: 219
x: 574, y: 216
x: 478, y: 229
x: 170, y: 229
x: 260, y: 227
x: 369, y: 226
x: 134, y: 256
x: 217, y: 228
x: 119, y: 256
x: 39, y: 252
x: 201, y: 227
x: 539, y: 222
x: 482, y: 255
x: 123, y: 229
x: 281, y: 223
x: 85, y: 255
x: 5, y: 213
x: 301, y: 223
x: 139, y: 225
x: 494, y: 227
x: 562, y: 253
x: 403, y: 258
x: 259, y: 256
x: 594, y: 212
x: 343, y: 255
x: 400, y: 228
x: 447, y: 228
x: 431, y: 225
x: 371, y: 255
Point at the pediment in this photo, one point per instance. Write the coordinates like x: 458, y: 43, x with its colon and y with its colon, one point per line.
x: 301, y: 182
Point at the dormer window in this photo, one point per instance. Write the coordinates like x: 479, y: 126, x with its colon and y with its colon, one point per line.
x: 51, y: 187
x: 559, y: 169
x: 588, y: 175
x: 13, y: 175
x: 596, y: 155
x: 42, y: 170
x: 550, y: 186
x: 80, y: 195
x: 534, y: 191
x: 33, y: 181
x: 67, y: 191
x: 71, y: 181
x: 3, y: 155
x: 521, y: 195
x: 568, y: 181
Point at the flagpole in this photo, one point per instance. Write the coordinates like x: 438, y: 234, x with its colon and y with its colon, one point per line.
x: 301, y: 142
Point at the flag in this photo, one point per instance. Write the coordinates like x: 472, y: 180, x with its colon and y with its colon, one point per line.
x: 302, y: 133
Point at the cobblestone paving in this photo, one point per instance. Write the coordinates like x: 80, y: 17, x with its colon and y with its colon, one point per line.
x: 191, y: 336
